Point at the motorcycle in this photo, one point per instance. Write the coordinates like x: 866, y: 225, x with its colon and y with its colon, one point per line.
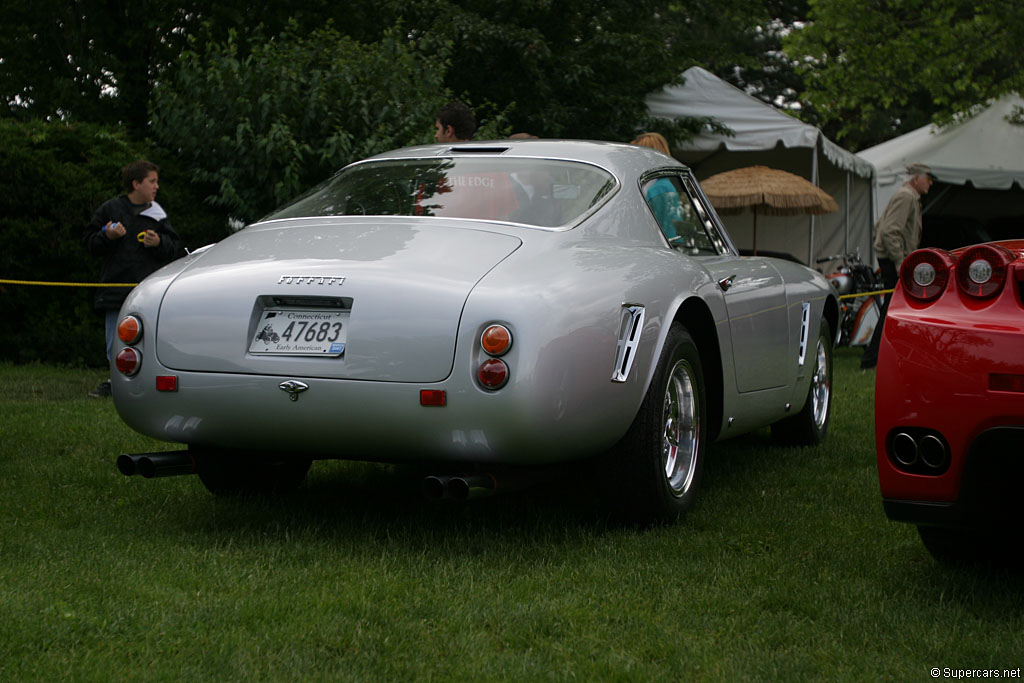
x: 856, y: 283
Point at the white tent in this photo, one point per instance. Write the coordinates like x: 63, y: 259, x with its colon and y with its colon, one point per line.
x: 766, y: 136
x: 978, y: 164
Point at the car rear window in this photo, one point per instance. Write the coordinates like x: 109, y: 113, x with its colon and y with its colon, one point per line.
x: 538, y: 192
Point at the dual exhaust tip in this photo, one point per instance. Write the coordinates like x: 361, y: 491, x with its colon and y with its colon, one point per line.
x: 459, y: 487
x: 926, y: 452
x: 149, y: 465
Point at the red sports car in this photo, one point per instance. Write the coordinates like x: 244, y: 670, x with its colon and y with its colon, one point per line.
x: 949, y: 400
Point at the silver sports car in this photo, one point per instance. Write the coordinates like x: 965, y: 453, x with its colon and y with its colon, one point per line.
x: 488, y: 309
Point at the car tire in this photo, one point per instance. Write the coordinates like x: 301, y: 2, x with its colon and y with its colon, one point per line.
x: 233, y: 474
x: 810, y: 425
x: 660, y: 462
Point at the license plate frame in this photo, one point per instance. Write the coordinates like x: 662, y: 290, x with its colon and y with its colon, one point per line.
x: 300, y: 332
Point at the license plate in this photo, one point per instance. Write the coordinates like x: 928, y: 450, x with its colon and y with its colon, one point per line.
x: 304, y: 332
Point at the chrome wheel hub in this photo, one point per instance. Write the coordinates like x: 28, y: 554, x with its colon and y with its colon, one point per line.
x: 820, y: 386
x: 681, y: 434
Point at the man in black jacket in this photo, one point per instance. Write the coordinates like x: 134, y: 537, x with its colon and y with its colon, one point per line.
x: 132, y: 234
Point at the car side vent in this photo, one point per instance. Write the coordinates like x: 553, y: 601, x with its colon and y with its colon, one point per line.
x: 805, y: 330
x: 630, y: 328
x: 474, y: 149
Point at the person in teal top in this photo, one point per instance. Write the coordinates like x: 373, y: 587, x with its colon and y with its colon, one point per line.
x: 662, y: 195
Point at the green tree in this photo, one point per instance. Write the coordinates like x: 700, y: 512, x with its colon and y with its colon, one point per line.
x: 757, y: 64
x: 573, y: 68
x: 570, y: 68
x: 98, y: 60
x: 260, y: 128
x: 877, y: 69
x: 88, y: 60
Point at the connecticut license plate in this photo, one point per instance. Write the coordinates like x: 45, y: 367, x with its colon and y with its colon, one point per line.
x: 294, y: 332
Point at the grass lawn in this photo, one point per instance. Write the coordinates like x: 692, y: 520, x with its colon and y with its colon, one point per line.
x: 786, y: 569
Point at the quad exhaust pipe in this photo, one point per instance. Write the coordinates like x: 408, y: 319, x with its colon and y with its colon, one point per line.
x: 149, y: 465
x: 928, y: 449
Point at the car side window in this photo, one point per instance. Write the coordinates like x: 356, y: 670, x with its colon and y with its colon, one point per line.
x: 681, y: 219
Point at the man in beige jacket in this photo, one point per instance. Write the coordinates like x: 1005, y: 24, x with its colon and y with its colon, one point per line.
x: 897, y: 233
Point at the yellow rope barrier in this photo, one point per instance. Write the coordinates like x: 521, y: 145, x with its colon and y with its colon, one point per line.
x: 68, y: 284
x: 854, y: 296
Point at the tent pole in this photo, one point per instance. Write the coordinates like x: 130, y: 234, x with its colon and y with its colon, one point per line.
x: 846, y: 239
x: 754, y: 210
x: 814, y: 179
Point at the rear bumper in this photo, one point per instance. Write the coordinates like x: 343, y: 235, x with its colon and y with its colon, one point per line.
x: 924, y: 512
x: 380, y: 421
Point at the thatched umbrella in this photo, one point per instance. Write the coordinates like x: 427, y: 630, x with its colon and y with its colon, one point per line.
x: 768, y: 190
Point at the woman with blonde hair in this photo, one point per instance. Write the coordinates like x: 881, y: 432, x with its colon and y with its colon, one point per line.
x: 654, y: 141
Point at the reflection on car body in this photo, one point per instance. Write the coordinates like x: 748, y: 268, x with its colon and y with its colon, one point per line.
x: 501, y: 308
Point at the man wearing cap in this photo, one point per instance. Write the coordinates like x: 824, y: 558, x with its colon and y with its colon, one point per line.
x: 897, y: 233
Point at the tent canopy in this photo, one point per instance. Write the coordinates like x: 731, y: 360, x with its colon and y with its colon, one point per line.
x: 766, y: 136
x: 985, y: 150
x: 979, y: 168
x: 757, y: 126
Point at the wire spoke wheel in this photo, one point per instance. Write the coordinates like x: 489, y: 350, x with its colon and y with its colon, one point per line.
x: 821, y: 386
x: 681, y: 435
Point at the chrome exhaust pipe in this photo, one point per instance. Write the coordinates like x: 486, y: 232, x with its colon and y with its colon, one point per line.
x: 904, y: 449
x: 933, y: 452
x: 435, y: 487
x: 128, y: 464
x: 149, y: 465
x: 471, y: 486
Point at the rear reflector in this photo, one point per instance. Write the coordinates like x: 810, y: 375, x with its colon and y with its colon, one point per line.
x: 433, y: 397
x: 167, y: 383
x: 1000, y: 382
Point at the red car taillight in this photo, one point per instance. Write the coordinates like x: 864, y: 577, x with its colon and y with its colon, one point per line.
x: 493, y: 374
x: 925, y: 273
x: 128, y: 361
x: 129, y: 329
x: 981, y: 271
x: 495, y: 340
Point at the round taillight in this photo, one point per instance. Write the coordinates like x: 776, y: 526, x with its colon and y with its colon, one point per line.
x: 925, y: 273
x: 492, y: 374
x: 981, y: 270
x: 128, y: 361
x: 496, y: 340
x: 129, y: 330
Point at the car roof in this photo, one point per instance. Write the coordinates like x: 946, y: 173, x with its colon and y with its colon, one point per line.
x: 619, y: 158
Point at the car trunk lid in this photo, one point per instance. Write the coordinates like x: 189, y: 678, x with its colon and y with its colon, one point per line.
x: 396, y: 287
